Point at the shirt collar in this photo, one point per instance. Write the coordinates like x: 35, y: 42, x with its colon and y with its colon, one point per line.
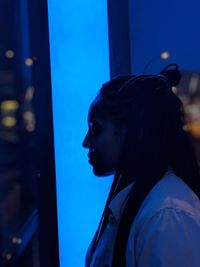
x: 116, y: 206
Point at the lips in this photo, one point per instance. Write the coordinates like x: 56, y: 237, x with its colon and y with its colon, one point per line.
x: 91, y: 161
x: 91, y: 157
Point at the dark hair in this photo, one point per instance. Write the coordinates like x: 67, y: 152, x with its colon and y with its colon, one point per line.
x: 156, y: 139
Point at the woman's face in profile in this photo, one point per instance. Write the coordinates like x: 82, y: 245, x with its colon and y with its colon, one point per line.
x: 104, y: 140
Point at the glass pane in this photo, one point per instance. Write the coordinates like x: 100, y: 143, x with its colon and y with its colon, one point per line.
x: 28, y: 229
x: 18, y: 214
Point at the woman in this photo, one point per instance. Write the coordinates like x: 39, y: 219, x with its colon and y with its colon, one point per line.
x: 152, y: 214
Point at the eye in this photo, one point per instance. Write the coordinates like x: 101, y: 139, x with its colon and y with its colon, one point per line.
x: 94, y: 128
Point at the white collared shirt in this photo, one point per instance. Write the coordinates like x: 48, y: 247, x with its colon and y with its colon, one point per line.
x: 165, y: 231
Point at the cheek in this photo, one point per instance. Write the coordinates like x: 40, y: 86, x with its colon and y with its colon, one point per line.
x: 107, y: 152
x: 106, y: 162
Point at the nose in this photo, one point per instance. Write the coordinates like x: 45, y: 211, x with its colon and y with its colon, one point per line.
x: 86, y: 142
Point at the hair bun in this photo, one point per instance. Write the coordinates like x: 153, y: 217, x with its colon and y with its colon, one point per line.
x: 172, y: 74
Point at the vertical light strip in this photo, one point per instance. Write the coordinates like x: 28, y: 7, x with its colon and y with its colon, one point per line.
x: 79, y: 65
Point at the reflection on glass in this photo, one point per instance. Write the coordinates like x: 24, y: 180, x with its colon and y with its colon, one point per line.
x: 18, y: 209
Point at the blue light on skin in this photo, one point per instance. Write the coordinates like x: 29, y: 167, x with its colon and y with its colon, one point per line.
x: 79, y: 65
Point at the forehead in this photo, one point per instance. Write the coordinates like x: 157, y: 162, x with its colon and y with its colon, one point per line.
x: 98, y: 111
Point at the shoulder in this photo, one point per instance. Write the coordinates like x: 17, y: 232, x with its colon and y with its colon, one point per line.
x: 171, y: 237
x: 170, y: 193
x: 167, y: 224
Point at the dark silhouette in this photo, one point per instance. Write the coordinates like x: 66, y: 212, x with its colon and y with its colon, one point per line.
x: 151, y: 118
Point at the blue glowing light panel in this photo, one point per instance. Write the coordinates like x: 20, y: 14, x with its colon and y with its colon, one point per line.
x: 79, y: 65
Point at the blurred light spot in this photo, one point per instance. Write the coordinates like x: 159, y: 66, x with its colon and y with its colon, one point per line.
x: 9, y: 121
x: 28, y: 115
x: 174, y: 89
x: 185, y: 127
x: 8, y: 256
x: 193, y: 85
x: 165, y: 55
x: 194, y: 129
x: 28, y: 62
x: 9, y: 105
x: 16, y: 240
x: 30, y: 127
x: 29, y: 93
x: 29, y: 119
x: 9, y: 53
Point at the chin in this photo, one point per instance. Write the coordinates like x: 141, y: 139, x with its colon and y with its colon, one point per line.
x: 102, y: 172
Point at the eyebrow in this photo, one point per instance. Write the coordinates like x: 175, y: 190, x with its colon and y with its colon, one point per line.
x: 95, y: 122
